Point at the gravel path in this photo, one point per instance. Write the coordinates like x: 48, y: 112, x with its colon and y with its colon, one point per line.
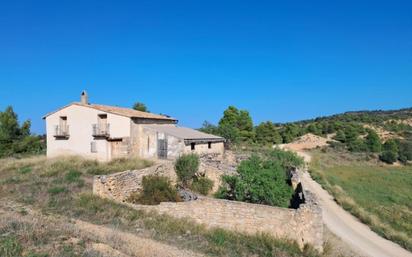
x: 347, y: 227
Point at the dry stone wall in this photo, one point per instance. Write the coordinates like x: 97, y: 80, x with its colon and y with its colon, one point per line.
x: 303, y: 225
x: 119, y: 186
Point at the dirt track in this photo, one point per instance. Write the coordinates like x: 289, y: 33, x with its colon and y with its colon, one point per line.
x: 347, y: 227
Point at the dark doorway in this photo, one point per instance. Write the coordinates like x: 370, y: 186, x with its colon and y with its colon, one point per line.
x: 162, y: 148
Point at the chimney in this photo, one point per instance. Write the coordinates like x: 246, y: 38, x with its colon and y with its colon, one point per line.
x: 84, y: 99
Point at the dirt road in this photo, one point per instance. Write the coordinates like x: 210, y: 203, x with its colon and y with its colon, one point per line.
x: 347, y: 227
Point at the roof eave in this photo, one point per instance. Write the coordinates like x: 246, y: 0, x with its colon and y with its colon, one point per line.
x: 204, y: 140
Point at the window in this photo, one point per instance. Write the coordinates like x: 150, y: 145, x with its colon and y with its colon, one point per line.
x: 148, y: 144
x: 102, y: 117
x: 192, y: 146
x: 63, y: 122
x: 209, y: 145
x: 93, y: 147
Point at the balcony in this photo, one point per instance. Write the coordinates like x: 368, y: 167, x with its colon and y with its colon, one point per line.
x: 61, y: 132
x: 101, y: 130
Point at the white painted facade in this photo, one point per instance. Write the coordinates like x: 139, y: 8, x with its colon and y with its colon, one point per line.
x: 105, y: 133
x: 80, y: 121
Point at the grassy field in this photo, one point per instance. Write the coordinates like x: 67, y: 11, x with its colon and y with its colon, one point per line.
x: 379, y: 195
x: 61, y: 189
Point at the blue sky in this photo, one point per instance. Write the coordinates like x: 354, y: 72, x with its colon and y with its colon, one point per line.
x: 281, y: 60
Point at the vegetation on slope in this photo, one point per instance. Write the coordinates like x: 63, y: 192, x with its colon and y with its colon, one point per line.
x: 15, y: 138
x: 353, y: 131
x: 262, y: 180
x: 379, y: 195
x: 62, y: 187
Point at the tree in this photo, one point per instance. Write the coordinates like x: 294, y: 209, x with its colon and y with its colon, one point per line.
x: 267, y: 133
x: 373, y: 142
x: 9, y: 125
x: 351, y: 134
x: 290, y: 132
x: 391, y: 145
x: 259, y: 181
x: 17, y: 139
x: 340, y: 136
x: 236, y: 125
x: 138, y: 106
x: 209, y: 128
x: 314, y: 129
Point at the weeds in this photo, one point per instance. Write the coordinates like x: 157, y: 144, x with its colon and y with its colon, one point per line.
x: 56, y: 190
x: 10, y: 247
x: 379, y: 195
x: 52, y: 186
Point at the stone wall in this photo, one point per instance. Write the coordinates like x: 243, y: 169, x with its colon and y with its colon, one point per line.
x: 303, y: 224
x: 119, y: 186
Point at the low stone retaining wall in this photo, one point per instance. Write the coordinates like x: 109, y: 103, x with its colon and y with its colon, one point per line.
x: 303, y: 225
x: 119, y: 186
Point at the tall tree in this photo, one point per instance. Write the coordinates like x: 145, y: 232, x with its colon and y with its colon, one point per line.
x: 15, y: 138
x: 9, y: 125
x: 209, y: 128
x: 138, y: 106
x: 236, y: 125
x: 267, y: 133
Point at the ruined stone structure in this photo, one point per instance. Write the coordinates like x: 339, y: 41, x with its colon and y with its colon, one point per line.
x: 303, y: 224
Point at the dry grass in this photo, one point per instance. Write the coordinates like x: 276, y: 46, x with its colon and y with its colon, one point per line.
x: 379, y: 195
x: 37, y: 238
x: 62, y: 187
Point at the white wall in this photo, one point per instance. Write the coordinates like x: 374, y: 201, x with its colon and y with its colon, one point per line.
x: 80, y: 120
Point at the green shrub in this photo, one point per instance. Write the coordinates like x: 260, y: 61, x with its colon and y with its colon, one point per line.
x: 56, y: 190
x: 286, y: 159
x: 201, y: 185
x: 405, y: 151
x: 156, y: 189
x: 389, y: 157
x: 373, y: 142
x: 25, y: 170
x: 259, y: 181
x: 357, y: 145
x: 73, y: 176
x: 186, y: 167
x: 10, y: 247
x: 390, y: 152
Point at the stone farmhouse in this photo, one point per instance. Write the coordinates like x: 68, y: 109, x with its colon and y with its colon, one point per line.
x: 104, y: 133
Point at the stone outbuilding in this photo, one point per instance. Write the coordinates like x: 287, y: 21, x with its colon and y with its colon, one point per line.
x: 105, y: 132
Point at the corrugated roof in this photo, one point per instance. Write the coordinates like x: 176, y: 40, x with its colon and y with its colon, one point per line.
x: 131, y: 113
x: 184, y: 133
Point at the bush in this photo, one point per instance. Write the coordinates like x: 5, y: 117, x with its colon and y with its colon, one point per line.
x: 405, y: 151
x: 10, y: 247
x: 186, y: 167
x: 73, y: 176
x: 57, y: 190
x: 286, y: 159
x: 390, y: 152
x: 156, y: 189
x: 373, y: 142
x: 259, y: 181
x: 389, y: 157
x: 202, y: 185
